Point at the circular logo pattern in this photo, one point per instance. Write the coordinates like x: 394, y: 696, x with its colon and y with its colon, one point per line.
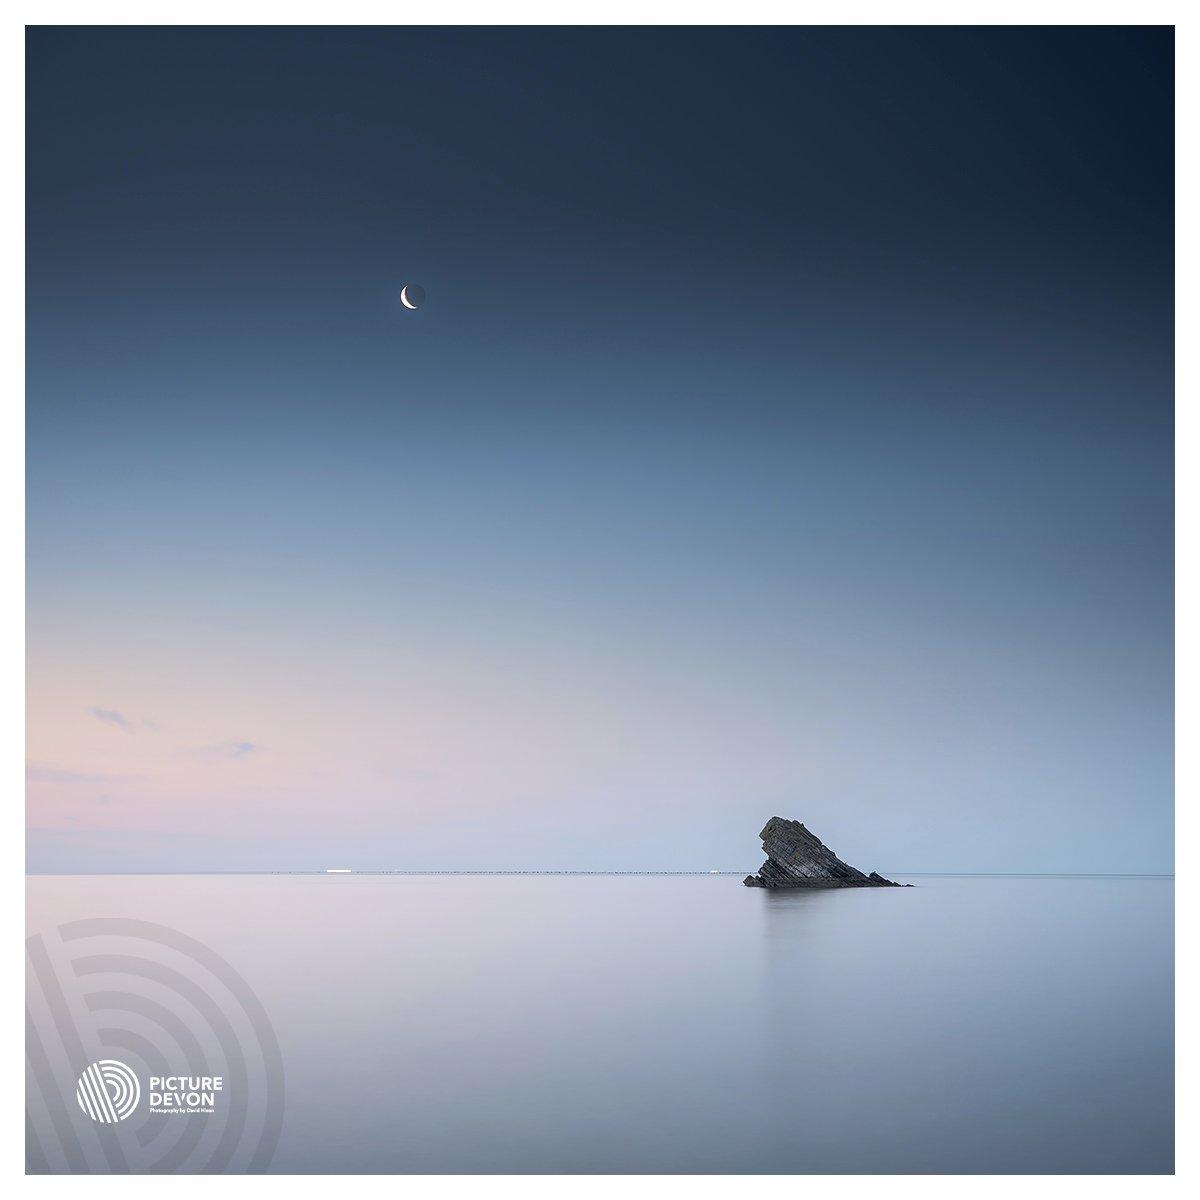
x: 108, y: 1091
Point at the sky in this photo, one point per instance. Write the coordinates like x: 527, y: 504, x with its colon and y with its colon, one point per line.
x: 787, y: 431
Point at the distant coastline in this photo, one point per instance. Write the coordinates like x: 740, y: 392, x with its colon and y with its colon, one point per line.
x: 322, y: 871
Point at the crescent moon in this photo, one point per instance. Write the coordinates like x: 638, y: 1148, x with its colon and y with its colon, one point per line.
x: 404, y: 297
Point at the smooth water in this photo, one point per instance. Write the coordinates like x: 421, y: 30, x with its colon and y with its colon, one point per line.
x: 564, y: 1024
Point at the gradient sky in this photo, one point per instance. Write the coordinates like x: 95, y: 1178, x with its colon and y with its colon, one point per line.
x: 788, y: 431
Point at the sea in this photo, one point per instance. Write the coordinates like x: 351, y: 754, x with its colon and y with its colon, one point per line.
x: 598, y: 1024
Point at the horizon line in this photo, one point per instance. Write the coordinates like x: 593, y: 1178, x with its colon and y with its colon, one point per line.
x: 555, y: 871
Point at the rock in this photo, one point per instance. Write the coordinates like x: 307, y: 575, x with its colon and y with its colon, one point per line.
x: 797, y: 859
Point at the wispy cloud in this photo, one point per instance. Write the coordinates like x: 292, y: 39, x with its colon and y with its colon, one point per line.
x: 222, y: 752
x: 110, y: 716
x: 41, y: 774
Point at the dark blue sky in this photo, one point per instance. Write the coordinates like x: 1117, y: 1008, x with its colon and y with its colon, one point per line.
x: 788, y: 429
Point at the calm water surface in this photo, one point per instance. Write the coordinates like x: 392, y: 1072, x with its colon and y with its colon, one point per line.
x: 440, y: 1024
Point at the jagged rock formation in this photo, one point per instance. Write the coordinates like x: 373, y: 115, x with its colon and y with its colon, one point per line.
x: 797, y: 859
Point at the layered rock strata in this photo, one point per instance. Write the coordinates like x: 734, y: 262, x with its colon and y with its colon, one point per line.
x: 798, y: 859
